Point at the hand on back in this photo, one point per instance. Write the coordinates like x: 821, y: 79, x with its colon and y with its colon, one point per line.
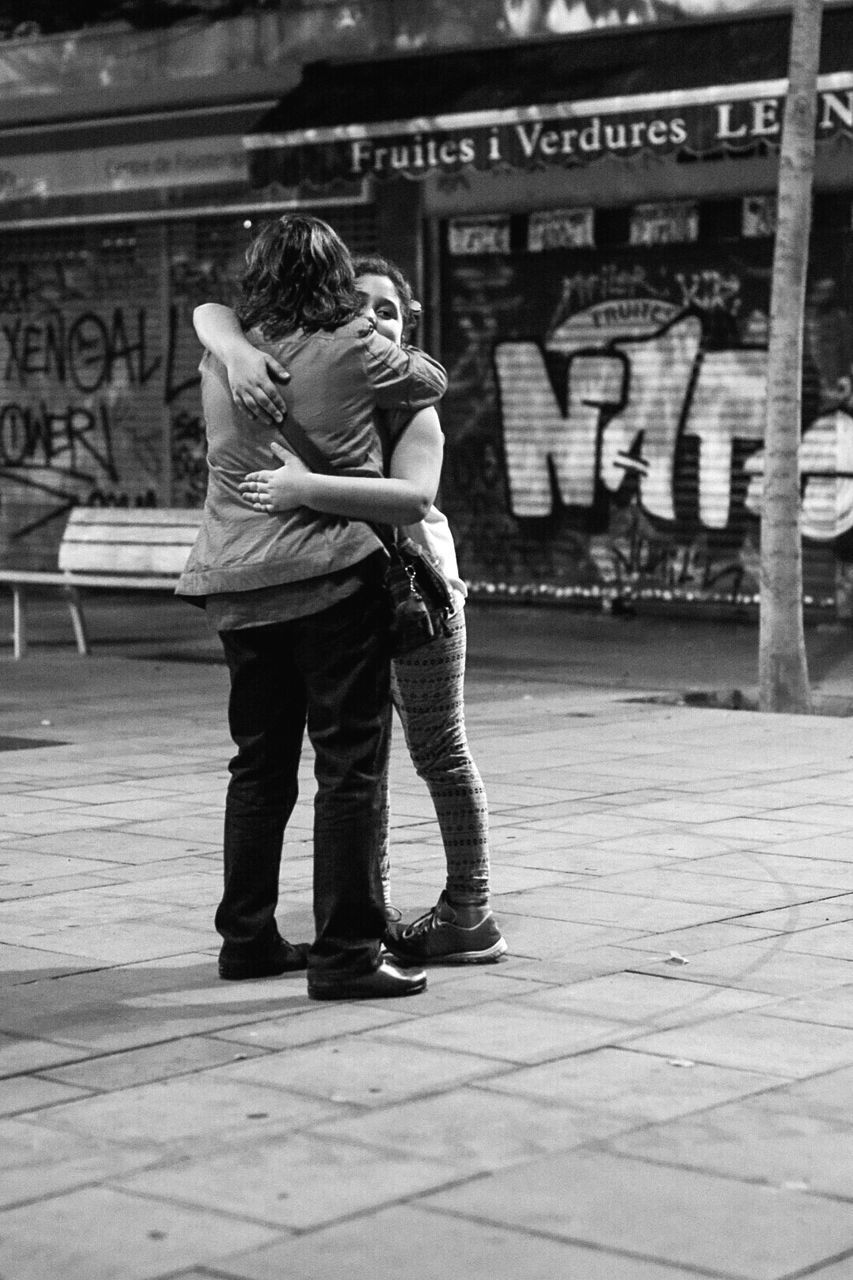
x: 252, y: 378
x: 279, y: 489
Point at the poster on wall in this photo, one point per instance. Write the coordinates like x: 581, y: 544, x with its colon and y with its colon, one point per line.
x: 668, y: 223
x: 560, y: 229
x: 605, y: 420
x: 473, y: 236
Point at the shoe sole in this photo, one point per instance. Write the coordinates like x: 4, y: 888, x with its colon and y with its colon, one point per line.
x: 265, y: 973
x: 490, y: 956
x: 366, y: 995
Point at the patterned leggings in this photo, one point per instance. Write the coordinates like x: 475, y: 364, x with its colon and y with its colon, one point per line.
x: 427, y: 689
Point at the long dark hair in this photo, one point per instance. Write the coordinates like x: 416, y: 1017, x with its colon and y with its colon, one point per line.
x: 298, y: 274
x: 372, y: 264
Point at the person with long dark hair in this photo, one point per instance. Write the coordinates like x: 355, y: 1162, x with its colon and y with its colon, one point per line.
x: 299, y: 603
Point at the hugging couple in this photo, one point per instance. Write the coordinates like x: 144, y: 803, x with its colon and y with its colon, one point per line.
x: 290, y: 571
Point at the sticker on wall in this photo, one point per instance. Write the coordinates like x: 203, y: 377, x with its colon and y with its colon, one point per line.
x: 671, y: 223
x: 469, y: 236
x: 758, y: 217
x: 560, y: 229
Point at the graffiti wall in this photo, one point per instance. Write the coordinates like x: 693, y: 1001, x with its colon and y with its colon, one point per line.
x: 83, y: 367
x: 99, y: 400
x: 606, y: 412
x: 204, y: 262
x: 99, y: 379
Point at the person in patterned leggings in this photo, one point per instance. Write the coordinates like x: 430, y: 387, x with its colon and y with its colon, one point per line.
x: 427, y: 684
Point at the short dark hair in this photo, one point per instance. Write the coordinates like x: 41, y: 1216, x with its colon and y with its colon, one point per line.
x: 373, y: 264
x: 298, y: 275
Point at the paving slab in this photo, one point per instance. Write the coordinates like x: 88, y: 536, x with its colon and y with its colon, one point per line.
x: 292, y: 1180
x: 410, y: 1240
x: 752, y: 1041
x: 752, y: 1141
x: 98, y: 1233
x: 646, y: 1000
x: 39, y: 1161
x: 764, y: 964
x: 181, y: 1114
x: 364, y: 1070
x: 624, y: 1081
x: 612, y: 1202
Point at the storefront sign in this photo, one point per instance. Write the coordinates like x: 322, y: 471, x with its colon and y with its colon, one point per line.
x: 187, y: 162
x: 702, y: 121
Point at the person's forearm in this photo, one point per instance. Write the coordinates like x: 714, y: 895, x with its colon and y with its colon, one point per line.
x: 365, y: 498
x: 402, y: 377
x: 218, y: 329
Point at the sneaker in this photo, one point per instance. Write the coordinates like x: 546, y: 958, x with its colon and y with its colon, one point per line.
x: 437, y: 938
x: 276, y: 956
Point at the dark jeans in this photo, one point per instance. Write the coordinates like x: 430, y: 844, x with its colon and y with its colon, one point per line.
x: 331, y: 670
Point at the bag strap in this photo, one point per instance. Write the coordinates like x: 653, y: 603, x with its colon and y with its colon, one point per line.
x: 315, y: 459
x: 302, y: 444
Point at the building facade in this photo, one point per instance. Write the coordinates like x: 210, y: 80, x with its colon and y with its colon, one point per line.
x: 590, y: 223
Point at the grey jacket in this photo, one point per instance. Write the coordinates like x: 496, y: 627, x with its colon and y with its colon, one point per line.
x: 339, y: 380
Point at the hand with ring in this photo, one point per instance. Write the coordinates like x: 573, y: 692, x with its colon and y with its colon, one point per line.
x: 278, y: 489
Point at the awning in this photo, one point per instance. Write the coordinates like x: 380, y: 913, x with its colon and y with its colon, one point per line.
x: 700, y: 88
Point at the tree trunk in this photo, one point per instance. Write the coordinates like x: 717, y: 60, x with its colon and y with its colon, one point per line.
x: 782, y: 670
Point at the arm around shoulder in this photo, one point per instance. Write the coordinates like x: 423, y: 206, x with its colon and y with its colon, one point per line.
x: 218, y: 329
x: 252, y: 374
x: 402, y: 377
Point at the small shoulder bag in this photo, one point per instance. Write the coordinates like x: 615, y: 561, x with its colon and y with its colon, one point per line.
x: 421, y: 599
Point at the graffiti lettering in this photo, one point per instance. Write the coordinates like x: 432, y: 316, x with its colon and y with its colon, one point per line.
x: 173, y: 388
x: 826, y: 475
x: 109, y: 498
x: 728, y: 404
x: 633, y: 392
x: 609, y: 282
x: 660, y: 376
x: 709, y: 290
x: 562, y: 446
x: 25, y: 284
x: 41, y: 437
x: 89, y: 352
x: 627, y: 407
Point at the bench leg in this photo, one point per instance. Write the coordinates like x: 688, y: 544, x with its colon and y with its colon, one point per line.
x: 19, y: 622
x: 72, y: 597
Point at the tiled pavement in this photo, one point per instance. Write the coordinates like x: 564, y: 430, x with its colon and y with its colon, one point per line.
x: 655, y: 1084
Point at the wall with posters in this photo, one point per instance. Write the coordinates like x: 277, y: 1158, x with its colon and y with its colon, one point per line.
x: 607, y: 397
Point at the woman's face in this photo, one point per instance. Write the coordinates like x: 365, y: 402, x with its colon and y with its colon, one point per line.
x: 382, y: 305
